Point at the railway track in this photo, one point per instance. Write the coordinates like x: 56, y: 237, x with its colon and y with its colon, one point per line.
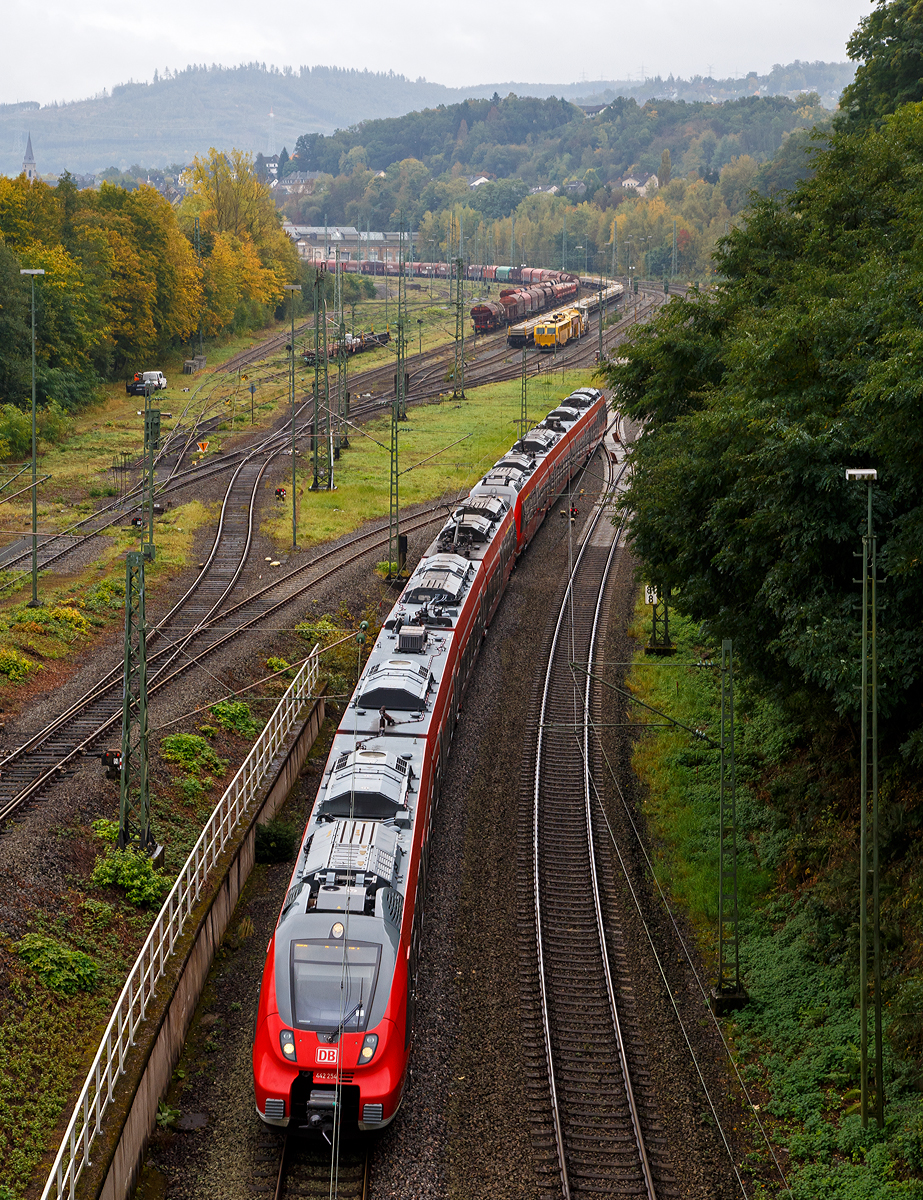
x: 290, y: 1167
x: 199, y: 625
x: 178, y: 441
x: 495, y: 364
x: 190, y: 630
x: 596, y: 1126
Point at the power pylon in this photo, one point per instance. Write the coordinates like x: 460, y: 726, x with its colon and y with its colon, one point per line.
x: 459, y: 373
x: 396, y: 543
x: 134, y: 799
x: 524, y: 399
x: 729, y: 993
x: 321, y: 388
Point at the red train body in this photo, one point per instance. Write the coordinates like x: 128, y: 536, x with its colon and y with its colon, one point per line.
x: 335, y: 1019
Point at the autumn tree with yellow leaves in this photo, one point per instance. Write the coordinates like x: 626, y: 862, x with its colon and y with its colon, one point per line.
x: 246, y: 257
x: 124, y: 282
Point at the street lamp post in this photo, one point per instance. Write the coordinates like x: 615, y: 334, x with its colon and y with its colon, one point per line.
x: 868, y: 476
x: 293, y: 288
x: 645, y: 249
x: 34, y: 602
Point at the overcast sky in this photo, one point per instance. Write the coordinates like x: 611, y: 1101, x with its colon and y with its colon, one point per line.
x: 59, y: 50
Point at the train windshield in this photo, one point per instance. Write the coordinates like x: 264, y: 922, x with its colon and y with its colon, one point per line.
x: 333, y: 983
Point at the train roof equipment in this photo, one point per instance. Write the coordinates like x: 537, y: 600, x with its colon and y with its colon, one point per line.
x: 368, y: 784
x: 524, y: 462
x: 538, y: 440
x: 489, y: 506
x: 357, y: 857
x: 396, y: 683
x: 505, y: 477
x: 564, y: 413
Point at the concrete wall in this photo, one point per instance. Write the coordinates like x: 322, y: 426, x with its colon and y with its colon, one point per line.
x: 118, y: 1155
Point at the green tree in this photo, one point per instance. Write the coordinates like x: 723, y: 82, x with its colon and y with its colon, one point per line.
x: 888, y: 45
x: 757, y: 396
x: 666, y: 168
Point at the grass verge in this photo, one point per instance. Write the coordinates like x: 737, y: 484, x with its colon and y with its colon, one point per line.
x: 460, y: 438
x: 797, y: 1040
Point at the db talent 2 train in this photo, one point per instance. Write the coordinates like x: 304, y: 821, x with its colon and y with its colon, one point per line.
x: 336, y: 1010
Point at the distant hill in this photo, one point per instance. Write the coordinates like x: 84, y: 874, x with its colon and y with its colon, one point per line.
x: 182, y: 114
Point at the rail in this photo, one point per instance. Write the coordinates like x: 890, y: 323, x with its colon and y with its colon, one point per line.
x: 98, y: 1091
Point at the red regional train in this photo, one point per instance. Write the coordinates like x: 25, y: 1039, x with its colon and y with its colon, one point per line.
x: 336, y: 1011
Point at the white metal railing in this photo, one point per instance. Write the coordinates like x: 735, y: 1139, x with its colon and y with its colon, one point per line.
x: 130, y: 1009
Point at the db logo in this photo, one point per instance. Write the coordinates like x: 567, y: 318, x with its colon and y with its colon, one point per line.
x: 326, y: 1055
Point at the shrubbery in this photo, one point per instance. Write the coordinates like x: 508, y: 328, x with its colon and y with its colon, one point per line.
x: 59, y: 968
x: 16, y: 666
x: 192, y: 752
x: 276, y: 841
x: 234, y: 716
x: 132, y: 870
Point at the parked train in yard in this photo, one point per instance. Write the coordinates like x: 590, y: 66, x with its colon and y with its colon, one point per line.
x: 540, y: 288
x: 524, y: 333
x: 441, y: 270
x: 336, y: 1011
x: 559, y: 328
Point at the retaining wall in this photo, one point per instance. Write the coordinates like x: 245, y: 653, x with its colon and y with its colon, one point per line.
x: 117, y: 1162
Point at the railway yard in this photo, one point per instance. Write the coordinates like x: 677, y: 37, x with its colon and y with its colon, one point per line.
x: 563, y: 1045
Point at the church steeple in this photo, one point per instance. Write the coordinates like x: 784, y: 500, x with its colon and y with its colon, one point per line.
x: 28, y: 163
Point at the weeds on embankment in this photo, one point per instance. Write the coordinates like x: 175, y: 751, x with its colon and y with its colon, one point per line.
x: 797, y: 1040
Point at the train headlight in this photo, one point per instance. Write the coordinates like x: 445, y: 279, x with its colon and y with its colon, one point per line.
x: 337, y: 930
x: 287, y: 1042
x: 369, y: 1046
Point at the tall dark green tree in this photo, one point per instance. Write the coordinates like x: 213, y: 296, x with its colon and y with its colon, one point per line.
x: 888, y: 45
x: 756, y: 397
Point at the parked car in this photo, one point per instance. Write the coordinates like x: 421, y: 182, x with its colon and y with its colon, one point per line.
x: 136, y: 385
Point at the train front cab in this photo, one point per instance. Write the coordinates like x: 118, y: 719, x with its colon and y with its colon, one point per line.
x: 303, y: 1066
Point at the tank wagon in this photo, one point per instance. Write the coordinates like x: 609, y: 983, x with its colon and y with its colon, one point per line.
x: 516, y: 304
x: 334, y: 1026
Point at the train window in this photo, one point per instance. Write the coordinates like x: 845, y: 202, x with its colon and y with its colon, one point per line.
x: 333, y: 983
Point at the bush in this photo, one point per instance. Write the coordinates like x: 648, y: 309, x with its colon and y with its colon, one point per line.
x: 322, y: 629
x: 192, y: 752
x: 132, y: 870
x: 16, y: 666
x: 191, y: 787
x: 234, y: 716
x: 63, y: 621
x: 16, y: 431
x: 62, y: 970
x: 276, y: 842
x: 107, y: 594
x: 98, y: 913
x: 106, y: 829
x: 51, y: 424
